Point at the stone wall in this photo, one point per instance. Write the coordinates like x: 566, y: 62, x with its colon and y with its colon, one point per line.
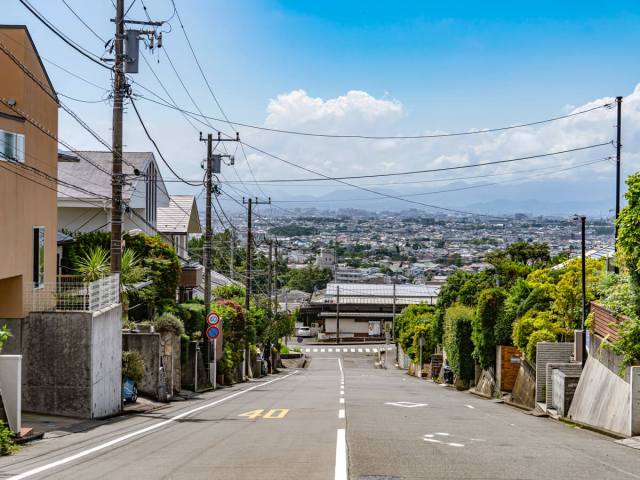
x: 71, y: 363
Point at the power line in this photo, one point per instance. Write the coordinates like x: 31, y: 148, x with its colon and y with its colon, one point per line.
x: 388, y: 137
x: 146, y: 131
x: 84, y: 52
x: 429, y: 170
x: 469, y: 187
x: 105, y: 42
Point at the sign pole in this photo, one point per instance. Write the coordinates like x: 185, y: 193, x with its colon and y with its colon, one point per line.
x: 215, y: 363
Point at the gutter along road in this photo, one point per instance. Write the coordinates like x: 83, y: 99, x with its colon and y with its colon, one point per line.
x: 340, y: 418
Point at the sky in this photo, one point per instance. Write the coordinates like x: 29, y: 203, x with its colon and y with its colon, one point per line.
x: 372, y: 68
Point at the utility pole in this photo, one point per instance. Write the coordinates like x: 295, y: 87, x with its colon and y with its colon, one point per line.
x: 618, y: 158
x: 233, y: 254
x: 213, y: 165
x: 583, y: 221
x: 338, y: 314
x: 247, y: 294
x: 116, y: 143
x: 270, y: 279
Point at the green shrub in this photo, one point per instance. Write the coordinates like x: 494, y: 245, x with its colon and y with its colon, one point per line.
x: 168, y: 322
x: 542, y: 335
x: 628, y: 343
x: 5, y: 334
x: 488, y: 310
x: 192, y: 316
x: 7, y: 445
x: 132, y: 366
x: 457, y: 340
x: 531, y: 322
x: 284, y: 349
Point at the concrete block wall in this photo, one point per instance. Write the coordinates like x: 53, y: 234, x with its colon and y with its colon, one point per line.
x: 549, y: 353
x: 147, y: 345
x: 567, y: 369
x: 71, y: 363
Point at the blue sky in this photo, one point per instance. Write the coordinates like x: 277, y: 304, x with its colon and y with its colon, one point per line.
x: 450, y: 65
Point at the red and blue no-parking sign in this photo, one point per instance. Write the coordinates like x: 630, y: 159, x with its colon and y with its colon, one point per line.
x: 213, y: 332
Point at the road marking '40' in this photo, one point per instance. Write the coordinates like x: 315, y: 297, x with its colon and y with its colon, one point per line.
x: 274, y: 413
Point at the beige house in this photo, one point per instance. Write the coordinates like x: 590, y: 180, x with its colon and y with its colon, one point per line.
x: 28, y: 171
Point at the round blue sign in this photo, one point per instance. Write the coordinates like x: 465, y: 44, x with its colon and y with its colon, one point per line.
x: 299, y: 339
x: 213, y: 332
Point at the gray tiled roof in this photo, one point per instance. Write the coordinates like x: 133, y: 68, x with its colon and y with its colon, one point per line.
x: 76, y: 170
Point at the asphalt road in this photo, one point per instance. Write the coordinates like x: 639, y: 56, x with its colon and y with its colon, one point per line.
x: 339, y: 413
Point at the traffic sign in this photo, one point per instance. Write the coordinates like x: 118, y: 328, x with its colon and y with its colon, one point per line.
x: 213, y: 318
x: 213, y: 332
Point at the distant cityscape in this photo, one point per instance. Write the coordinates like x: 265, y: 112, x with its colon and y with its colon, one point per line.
x: 412, y: 247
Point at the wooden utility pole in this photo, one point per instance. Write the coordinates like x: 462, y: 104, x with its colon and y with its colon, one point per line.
x: 213, y: 164
x: 247, y: 294
x: 116, y: 144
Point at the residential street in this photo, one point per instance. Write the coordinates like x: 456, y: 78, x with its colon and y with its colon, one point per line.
x: 295, y: 433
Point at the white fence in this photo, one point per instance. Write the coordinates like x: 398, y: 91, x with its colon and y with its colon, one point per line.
x: 70, y: 293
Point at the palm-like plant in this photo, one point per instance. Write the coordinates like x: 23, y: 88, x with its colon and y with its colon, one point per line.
x: 131, y: 272
x: 93, y: 265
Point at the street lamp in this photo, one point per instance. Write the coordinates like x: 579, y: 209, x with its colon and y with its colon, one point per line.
x: 583, y: 221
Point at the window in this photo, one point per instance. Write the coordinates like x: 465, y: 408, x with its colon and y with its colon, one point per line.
x: 38, y: 257
x: 11, y: 146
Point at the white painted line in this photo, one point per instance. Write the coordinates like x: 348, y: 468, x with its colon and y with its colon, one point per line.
x: 353, y: 350
x: 322, y: 350
x: 307, y: 350
x: 367, y: 350
x: 444, y: 434
x: 345, y: 350
x: 341, y: 371
x: 341, y: 413
x: 330, y: 350
x: 452, y: 444
x: 315, y: 349
x: 375, y: 349
x: 341, y: 400
x: 136, y: 433
x: 341, y: 392
x: 359, y: 350
x: 432, y: 440
x: 341, y: 455
x: 470, y: 406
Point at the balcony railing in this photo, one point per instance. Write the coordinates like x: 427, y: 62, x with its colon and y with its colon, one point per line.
x: 70, y: 293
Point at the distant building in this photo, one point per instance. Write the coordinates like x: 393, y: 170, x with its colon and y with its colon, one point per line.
x: 325, y: 259
x: 364, y: 308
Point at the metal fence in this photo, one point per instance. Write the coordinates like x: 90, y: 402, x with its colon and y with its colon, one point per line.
x: 70, y: 293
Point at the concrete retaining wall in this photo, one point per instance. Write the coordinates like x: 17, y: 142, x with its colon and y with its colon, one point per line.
x: 524, y: 389
x: 574, y: 369
x: 602, y: 399
x: 549, y: 353
x: 72, y: 363
x: 564, y: 387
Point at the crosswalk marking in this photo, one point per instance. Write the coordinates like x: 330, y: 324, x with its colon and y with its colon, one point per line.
x: 315, y: 349
x: 322, y: 350
x: 353, y: 350
x: 330, y: 350
x: 359, y: 350
x: 375, y: 349
x: 367, y: 350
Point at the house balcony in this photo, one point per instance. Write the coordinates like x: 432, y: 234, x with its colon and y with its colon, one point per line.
x: 71, y: 293
x: 191, y: 276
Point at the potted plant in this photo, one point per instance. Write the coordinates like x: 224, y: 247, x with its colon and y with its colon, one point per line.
x: 132, y: 373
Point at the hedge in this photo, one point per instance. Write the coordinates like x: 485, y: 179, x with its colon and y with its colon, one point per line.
x: 457, y: 340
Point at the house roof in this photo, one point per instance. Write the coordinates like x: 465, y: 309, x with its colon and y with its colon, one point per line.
x: 181, y: 216
x: 74, y: 168
x: 33, y: 45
